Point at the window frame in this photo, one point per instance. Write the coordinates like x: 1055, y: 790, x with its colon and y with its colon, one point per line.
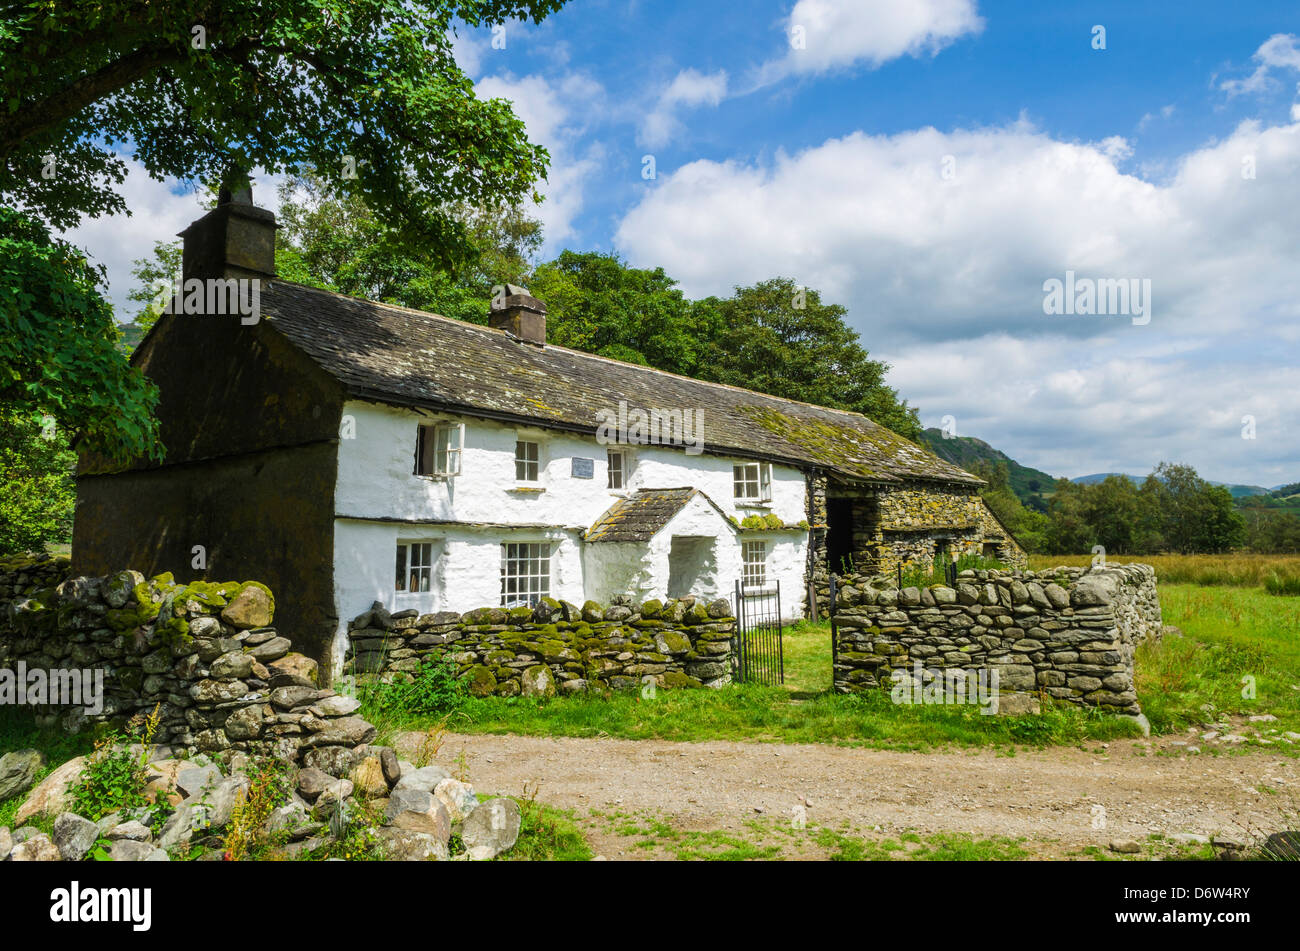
x: 446, y: 461
x: 753, y: 573
x: 761, y: 481
x: 406, y: 566
x: 520, y: 442
x: 624, y: 468
x: 535, y: 558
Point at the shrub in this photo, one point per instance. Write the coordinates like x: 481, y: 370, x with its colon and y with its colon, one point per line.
x: 435, y: 688
x: 114, y: 777
x: 268, y: 788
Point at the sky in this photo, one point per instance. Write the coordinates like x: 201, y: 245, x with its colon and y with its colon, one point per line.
x: 933, y: 166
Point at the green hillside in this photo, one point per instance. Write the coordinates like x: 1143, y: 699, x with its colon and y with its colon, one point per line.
x: 1032, y: 486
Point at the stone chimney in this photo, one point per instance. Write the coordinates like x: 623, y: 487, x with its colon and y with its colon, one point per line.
x: 520, y: 313
x: 234, y: 240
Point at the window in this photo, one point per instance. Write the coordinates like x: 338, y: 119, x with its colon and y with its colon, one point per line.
x: 525, y: 572
x: 414, y: 566
x: 754, y: 555
x: 619, y: 468
x: 438, y: 449
x: 753, y: 481
x: 527, y: 455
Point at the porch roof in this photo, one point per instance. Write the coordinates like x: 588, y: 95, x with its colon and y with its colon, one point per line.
x: 643, y: 514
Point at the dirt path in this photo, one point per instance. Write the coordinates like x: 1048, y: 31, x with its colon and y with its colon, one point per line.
x: 1047, y: 797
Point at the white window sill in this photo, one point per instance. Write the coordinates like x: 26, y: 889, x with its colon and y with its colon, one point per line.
x: 752, y: 504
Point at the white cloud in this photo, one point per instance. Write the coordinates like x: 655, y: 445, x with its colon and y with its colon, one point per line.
x: 689, y: 88
x: 468, y: 50
x: 556, y: 114
x: 830, y: 34
x: 1148, y: 118
x: 158, y: 213
x: 872, y: 223
x: 1279, y: 51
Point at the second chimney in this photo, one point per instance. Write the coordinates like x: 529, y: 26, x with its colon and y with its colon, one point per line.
x: 519, y: 313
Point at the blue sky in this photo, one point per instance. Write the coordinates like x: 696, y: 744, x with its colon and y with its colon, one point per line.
x: 930, y: 165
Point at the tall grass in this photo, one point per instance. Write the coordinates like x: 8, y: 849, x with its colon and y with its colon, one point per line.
x: 1240, y: 655
x: 1276, y: 574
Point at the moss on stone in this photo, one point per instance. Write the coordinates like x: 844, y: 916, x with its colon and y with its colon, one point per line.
x: 482, y: 682
x: 677, y: 680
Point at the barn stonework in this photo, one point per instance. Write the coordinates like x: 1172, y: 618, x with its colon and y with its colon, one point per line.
x: 347, y: 452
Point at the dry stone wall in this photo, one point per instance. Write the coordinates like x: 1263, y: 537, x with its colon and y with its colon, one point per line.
x: 1065, y: 633
x: 203, y: 655
x: 554, y: 647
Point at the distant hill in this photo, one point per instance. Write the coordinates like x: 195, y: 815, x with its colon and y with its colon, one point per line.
x: 1238, y: 491
x: 132, y: 334
x: 1285, y: 498
x: 1103, y: 476
x: 1032, y: 486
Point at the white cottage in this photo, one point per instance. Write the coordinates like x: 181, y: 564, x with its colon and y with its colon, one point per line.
x: 345, y: 451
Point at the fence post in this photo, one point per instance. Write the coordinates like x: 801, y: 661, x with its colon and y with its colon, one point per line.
x: 780, y: 638
x: 834, y: 637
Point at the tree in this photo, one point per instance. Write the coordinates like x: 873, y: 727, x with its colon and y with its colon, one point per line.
x: 1111, y: 509
x: 368, y: 89
x: 1194, y: 516
x: 779, y: 338
x: 198, y: 91
x: 597, y: 303
x: 160, y: 268
x: 36, y: 490
x: 1069, y: 532
x: 1029, y: 527
x: 333, y: 240
x: 58, y: 345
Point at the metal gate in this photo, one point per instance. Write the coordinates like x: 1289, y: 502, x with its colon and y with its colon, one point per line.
x: 756, y: 649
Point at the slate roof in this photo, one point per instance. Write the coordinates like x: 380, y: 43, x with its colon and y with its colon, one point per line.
x: 390, y: 354
x: 642, y: 515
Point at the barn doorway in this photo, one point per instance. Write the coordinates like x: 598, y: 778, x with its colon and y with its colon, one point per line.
x: 852, y: 526
x: 839, y: 534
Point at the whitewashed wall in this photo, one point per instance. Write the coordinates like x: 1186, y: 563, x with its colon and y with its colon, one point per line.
x: 379, y: 501
x: 375, y: 475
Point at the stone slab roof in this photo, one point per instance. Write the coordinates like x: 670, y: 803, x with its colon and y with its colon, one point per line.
x: 400, y: 356
x: 642, y: 515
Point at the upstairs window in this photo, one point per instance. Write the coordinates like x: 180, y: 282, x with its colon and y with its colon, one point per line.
x: 438, y: 449
x: 525, y: 573
x: 414, y: 566
x: 752, y: 482
x: 527, y: 460
x: 619, y: 468
x: 754, y: 555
